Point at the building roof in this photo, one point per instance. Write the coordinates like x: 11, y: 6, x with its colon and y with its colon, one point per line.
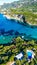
x: 19, y: 56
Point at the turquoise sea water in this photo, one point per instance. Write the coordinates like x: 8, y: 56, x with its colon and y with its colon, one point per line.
x: 9, y: 29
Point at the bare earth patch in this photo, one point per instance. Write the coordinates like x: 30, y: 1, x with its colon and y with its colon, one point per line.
x: 9, y: 63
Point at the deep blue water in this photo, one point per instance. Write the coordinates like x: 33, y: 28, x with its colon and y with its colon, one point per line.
x: 26, y: 30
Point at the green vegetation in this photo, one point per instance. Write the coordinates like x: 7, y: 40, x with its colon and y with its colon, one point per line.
x: 28, y: 9
x: 30, y: 13
x: 8, y: 52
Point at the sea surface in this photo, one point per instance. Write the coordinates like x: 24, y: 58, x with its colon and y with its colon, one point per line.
x: 10, y: 29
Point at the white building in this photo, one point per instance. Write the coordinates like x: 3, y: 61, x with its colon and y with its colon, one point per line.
x: 19, y: 56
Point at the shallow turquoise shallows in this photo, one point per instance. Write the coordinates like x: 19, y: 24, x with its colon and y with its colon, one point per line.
x: 9, y: 29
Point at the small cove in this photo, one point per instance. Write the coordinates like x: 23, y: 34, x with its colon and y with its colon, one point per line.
x: 8, y: 28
